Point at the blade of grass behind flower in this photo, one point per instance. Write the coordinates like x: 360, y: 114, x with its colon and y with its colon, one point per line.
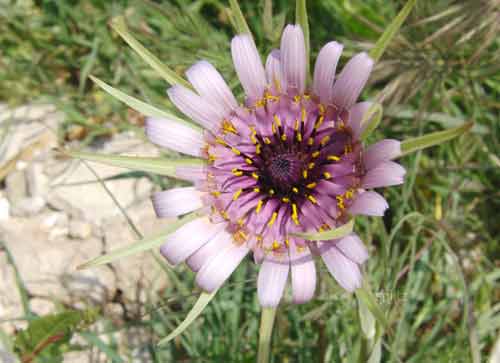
x: 119, y: 25
x: 238, y: 19
x: 265, y: 333
x: 365, y: 295
x: 435, y: 138
x: 302, y: 19
x: 160, y: 166
x: 142, y: 107
x: 197, y: 309
x: 371, y: 119
x: 391, y: 31
x: 334, y: 233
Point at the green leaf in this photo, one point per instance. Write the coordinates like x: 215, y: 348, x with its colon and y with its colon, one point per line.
x: 142, y: 107
x: 302, y: 19
x: 265, y: 333
x: 267, y: 19
x: 119, y: 25
x: 197, y: 309
x: 371, y: 119
x: 334, y: 233
x: 142, y: 245
x: 365, y: 295
x: 436, y: 138
x: 367, y: 320
x: 391, y: 31
x: 238, y: 19
x: 160, y: 166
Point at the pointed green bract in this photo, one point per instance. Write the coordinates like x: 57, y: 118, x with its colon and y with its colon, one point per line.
x: 302, y: 19
x: 160, y: 166
x: 371, y: 120
x: 391, y: 31
x: 265, y: 332
x: 142, y: 107
x: 142, y: 245
x: 435, y: 138
x: 238, y: 19
x: 334, y: 233
x: 197, y: 309
x: 119, y: 25
x: 368, y: 299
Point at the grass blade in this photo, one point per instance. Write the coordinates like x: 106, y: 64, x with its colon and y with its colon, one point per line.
x: 371, y: 119
x: 238, y: 19
x: 160, y: 166
x: 197, y: 309
x: 302, y: 20
x: 334, y: 233
x: 435, y: 138
x: 265, y: 332
x: 391, y: 31
x: 142, y: 107
x: 142, y: 245
x: 366, y: 296
x: 119, y: 25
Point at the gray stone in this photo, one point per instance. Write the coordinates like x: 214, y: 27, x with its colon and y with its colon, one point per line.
x: 28, y: 206
x: 16, y: 187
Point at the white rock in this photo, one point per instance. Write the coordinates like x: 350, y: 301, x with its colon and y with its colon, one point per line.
x: 4, y: 209
x: 29, y: 206
x: 80, y: 229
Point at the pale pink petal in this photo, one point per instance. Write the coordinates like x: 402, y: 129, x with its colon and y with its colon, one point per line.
x: 383, y: 150
x: 353, y: 248
x: 191, y: 173
x: 385, y: 174
x: 273, y: 68
x: 324, y: 70
x: 356, y: 114
x: 197, y: 108
x: 187, y: 239
x: 293, y: 59
x: 369, y: 204
x: 211, y: 86
x: 219, y: 242
x: 248, y: 66
x: 303, y: 275
x: 351, y: 80
x: 271, y: 281
x: 345, y: 271
x: 217, y: 270
x: 174, y: 135
x: 177, y: 201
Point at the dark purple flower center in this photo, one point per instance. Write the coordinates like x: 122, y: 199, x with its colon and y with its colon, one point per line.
x: 285, y: 170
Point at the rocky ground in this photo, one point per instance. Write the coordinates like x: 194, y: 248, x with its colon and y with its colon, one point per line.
x: 54, y: 216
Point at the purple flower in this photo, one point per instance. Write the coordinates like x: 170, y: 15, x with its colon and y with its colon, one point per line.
x: 290, y: 160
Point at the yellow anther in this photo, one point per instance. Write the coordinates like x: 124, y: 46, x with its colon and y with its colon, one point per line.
x: 285, y: 199
x: 325, y: 140
x: 311, y: 165
x: 312, y: 199
x: 340, y: 202
x: 276, y: 245
x: 327, y: 175
x: 237, y: 172
x: 255, y: 176
x: 319, y: 122
x: 303, y: 114
x: 241, y: 222
x: 310, y: 141
x: 259, y: 206
x: 311, y: 185
x: 256, y: 190
x: 295, y: 190
x: 299, y: 137
x: 271, y: 191
x: 296, y: 99
x: 211, y: 158
x: 236, y: 151
x: 295, y: 215
x: 257, y: 149
x: 273, y: 219
x: 321, y: 109
x: 283, y: 137
x: 297, y: 125
x: 237, y: 194
x: 347, y: 149
x: 304, y: 174
x: 248, y: 161
x: 215, y: 193
x: 349, y: 194
x: 260, y: 103
x: 333, y: 158
x: 227, y: 126
x: 287, y: 242
x: 266, y: 140
x: 220, y: 141
x: 273, y: 128
x: 258, y: 238
x: 277, y: 120
x: 315, y: 154
x: 341, y: 125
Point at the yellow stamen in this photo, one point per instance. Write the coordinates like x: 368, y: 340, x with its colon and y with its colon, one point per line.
x: 227, y: 126
x: 273, y: 219
x: 296, y: 126
x: 311, y: 185
x: 276, y: 245
x: 256, y: 190
x: 259, y: 206
x: 237, y: 172
x: 304, y: 174
x: 236, y: 151
x: 299, y: 137
x: 327, y: 175
x: 296, y: 99
x: 312, y: 199
x: 266, y: 140
x: 325, y: 140
x: 241, y: 222
x: 310, y: 141
x: 303, y: 114
x: 311, y: 165
x: 255, y: 176
x: 319, y: 122
x: 315, y: 154
x: 220, y: 141
x: 283, y: 137
x: 295, y: 215
x: 277, y: 120
x: 237, y: 194
x: 295, y: 190
x: 257, y: 149
x: 271, y: 191
x: 321, y: 109
x: 215, y: 193
x: 287, y: 242
x: 248, y: 161
x: 333, y: 158
x: 285, y: 199
x: 273, y: 128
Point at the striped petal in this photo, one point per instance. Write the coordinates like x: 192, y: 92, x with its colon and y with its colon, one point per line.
x: 248, y: 66
x: 345, y: 271
x: 293, y: 59
x: 303, y: 275
x: 191, y: 173
x: 175, y: 136
x: 271, y: 281
x: 353, y: 248
x: 369, y: 204
x: 381, y: 151
x: 186, y: 240
x: 177, y: 201
x: 273, y: 68
x: 197, y: 108
x: 351, y: 80
x: 211, y: 86
x: 324, y: 70
x: 219, y: 242
x: 356, y: 114
x: 385, y: 174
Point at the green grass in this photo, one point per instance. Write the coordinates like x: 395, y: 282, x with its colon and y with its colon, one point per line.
x: 434, y: 257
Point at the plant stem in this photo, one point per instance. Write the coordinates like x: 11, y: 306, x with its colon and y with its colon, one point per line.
x: 265, y: 332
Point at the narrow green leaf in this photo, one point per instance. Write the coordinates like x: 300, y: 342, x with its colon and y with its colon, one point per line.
x: 160, y: 166
x: 267, y: 19
x: 436, y: 138
x: 239, y: 21
x: 367, y: 320
x: 366, y: 296
x: 197, y: 309
x: 302, y: 20
x: 119, y: 25
x: 391, y: 31
x: 265, y: 332
x: 371, y: 119
x: 142, y: 107
x: 142, y: 245
x: 334, y: 233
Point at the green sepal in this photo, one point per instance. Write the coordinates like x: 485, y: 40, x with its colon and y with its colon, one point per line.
x: 334, y: 233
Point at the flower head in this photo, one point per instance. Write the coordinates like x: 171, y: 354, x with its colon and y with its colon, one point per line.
x: 290, y: 160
